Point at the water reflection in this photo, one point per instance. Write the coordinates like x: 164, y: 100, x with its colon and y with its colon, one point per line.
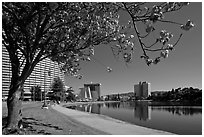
x: 179, y: 110
x: 142, y: 111
x: 149, y: 114
x: 93, y: 108
x: 113, y: 105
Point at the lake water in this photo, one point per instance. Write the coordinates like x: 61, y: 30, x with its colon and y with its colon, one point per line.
x: 183, y: 120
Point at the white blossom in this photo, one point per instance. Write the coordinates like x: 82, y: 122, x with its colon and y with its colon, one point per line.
x: 170, y: 47
x: 109, y: 69
x: 164, y: 54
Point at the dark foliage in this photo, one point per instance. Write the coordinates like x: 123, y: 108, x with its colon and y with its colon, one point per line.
x: 192, y: 95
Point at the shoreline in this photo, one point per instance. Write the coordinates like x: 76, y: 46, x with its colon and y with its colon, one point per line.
x: 105, y: 123
x: 83, y: 103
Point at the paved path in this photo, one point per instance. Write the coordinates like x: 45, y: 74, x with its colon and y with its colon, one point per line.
x: 107, y: 124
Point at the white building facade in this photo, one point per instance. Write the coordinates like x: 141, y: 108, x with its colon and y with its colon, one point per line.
x: 39, y: 76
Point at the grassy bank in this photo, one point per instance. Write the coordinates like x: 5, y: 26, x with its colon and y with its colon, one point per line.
x: 49, y: 122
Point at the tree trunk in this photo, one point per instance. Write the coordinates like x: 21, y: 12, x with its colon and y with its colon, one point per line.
x: 14, y: 103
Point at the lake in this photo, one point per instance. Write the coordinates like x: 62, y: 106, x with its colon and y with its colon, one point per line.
x: 182, y: 120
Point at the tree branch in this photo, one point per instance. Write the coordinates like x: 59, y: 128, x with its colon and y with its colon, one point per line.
x: 167, y: 21
x: 136, y: 30
x: 159, y: 49
x: 144, y: 35
x: 178, y: 40
x: 152, y: 44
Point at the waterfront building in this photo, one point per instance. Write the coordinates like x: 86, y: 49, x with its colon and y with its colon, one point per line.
x: 42, y: 75
x: 138, y: 89
x: 142, y: 90
x: 81, y: 94
x: 90, y: 92
x: 93, y: 90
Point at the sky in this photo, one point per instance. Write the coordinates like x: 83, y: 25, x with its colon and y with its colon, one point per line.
x: 183, y: 67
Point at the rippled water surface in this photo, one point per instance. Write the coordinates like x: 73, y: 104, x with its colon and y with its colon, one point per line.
x: 184, y: 120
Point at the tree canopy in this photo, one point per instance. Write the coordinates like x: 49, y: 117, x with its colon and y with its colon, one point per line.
x: 68, y: 32
x: 57, y: 85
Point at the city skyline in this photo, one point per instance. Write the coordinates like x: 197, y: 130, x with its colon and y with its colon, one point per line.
x: 183, y: 67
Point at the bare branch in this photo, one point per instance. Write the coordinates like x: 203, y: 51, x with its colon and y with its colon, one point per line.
x: 152, y: 44
x: 144, y: 35
x: 178, y: 40
x: 167, y: 21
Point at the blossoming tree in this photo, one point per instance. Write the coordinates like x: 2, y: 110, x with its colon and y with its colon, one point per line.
x: 68, y: 32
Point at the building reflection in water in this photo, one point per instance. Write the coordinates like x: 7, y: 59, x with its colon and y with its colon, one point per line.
x: 91, y: 108
x: 142, y: 111
x: 113, y: 105
x: 179, y: 110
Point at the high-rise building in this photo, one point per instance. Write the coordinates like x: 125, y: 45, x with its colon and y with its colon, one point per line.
x: 138, y: 89
x: 93, y: 91
x: 6, y: 72
x: 90, y: 92
x: 42, y: 75
x: 142, y: 90
x: 146, y: 89
x: 81, y: 94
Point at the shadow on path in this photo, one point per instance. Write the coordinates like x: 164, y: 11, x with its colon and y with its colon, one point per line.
x: 28, y: 123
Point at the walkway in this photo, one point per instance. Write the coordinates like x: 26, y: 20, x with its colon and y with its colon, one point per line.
x: 107, y: 124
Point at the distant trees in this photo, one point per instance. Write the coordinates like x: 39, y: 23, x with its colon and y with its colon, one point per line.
x: 192, y: 95
x: 70, y: 96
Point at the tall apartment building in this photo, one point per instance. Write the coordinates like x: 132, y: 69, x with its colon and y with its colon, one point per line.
x: 90, y: 91
x: 6, y: 72
x: 142, y: 90
x: 39, y: 76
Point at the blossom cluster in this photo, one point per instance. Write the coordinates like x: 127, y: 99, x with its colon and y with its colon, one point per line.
x: 150, y: 61
x: 156, y: 13
x: 165, y: 36
x: 125, y: 46
x: 170, y: 6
